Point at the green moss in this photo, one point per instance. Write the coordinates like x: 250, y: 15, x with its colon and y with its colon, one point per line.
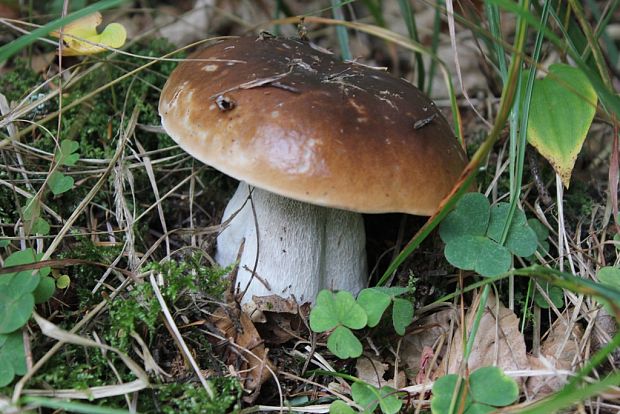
x: 193, y: 399
x: 17, y: 83
x: 139, y: 309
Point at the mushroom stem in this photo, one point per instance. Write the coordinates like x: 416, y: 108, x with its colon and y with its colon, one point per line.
x: 302, y: 248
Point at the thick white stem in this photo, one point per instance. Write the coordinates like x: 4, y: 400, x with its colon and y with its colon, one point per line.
x: 302, y: 248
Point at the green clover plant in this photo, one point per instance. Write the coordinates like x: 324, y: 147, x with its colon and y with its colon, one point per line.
x: 19, y: 292
x: 369, y: 398
x: 475, y: 239
x: 340, y: 313
x: 609, y: 276
x: 489, y: 388
x: 376, y: 300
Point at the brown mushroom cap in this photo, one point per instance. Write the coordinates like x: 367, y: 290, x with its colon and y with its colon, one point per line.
x: 291, y: 119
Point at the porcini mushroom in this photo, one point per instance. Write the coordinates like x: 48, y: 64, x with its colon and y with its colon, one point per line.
x: 318, y: 141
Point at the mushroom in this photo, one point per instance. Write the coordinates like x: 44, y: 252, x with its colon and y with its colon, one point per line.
x: 315, y: 142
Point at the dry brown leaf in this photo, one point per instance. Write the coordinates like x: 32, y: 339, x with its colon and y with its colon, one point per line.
x: 498, y: 341
x: 249, y: 356
x: 559, y: 351
x: 277, y: 319
x: 8, y: 10
x: 371, y: 371
x: 428, y: 334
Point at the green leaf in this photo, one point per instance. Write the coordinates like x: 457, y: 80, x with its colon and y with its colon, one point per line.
x: 402, y: 315
x: 32, y: 209
x: 561, y: 112
x: 59, y: 183
x: 389, y: 402
x: 13, y: 351
x: 63, y: 282
x: 443, y: 389
x: 393, y: 291
x: 555, y: 293
x: 9, y: 49
x: 478, y: 408
x: 478, y: 253
x: 40, y: 226
x: 4, y: 242
x: 344, y: 344
x: 340, y: 407
x: 610, y: 276
x: 7, y: 373
x: 542, y: 234
x: 489, y: 385
x: 470, y: 217
x: 369, y: 397
x: 365, y: 395
x: 521, y: 240
x: 374, y: 302
x: 15, y: 309
x: 25, y: 281
x: 66, y: 154
x: 45, y: 289
x: 332, y: 309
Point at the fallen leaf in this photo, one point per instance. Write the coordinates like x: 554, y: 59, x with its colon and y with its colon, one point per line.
x: 249, y: 355
x: 80, y: 35
x: 498, y: 341
x: 425, y: 363
x: 426, y: 334
x: 278, y: 320
x: 559, y: 351
x: 371, y: 371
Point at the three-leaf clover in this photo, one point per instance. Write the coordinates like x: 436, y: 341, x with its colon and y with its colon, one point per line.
x: 369, y: 397
x: 65, y: 155
x: 476, y: 238
x: 488, y: 389
x: 339, y: 311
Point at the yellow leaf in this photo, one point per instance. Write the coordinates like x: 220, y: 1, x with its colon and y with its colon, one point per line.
x: 80, y: 35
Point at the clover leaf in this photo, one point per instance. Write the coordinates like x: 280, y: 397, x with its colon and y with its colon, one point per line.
x: 542, y: 234
x: 609, y: 276
x: 369, y: 397
x: 12, y: 357
x: 19, y: 289
x: 489, y: 388
x: 473, y: 235
x: 340, y: 407
x: 344, y: 344
x: 489, y: 385
x: 60, y: 183
x: 555, y: 294
x: 340, y: 311
x: 66, y: 154
x: 376, y: 300
x: 521, y: 240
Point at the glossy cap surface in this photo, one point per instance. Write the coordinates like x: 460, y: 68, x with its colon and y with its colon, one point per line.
x: 291, y: 119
